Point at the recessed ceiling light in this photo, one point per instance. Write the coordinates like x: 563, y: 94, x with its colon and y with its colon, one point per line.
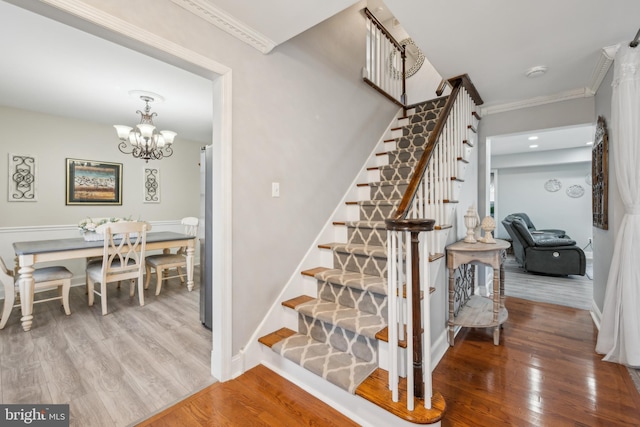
x: 533, y: 138
x: 590, y: 143
x: 533, y: 146
x: 536, y: 71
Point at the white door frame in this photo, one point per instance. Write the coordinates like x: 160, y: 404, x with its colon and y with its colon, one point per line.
x: 220, y: 75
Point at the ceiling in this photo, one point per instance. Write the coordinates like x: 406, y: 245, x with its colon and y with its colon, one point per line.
x: 52, y: 68
x: 543, y: 140
x: 494, y: 41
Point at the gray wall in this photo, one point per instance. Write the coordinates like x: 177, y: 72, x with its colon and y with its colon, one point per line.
x: 604, y: 240
x: 302, y: 117
x: 54, y: 139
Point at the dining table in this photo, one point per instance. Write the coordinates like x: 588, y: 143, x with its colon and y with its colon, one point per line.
x: 30, y: 253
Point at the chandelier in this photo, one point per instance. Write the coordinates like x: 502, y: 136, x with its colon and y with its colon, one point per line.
x: 144, y: 141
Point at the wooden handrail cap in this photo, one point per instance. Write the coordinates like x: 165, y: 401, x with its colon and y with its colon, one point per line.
x: 414, y: 225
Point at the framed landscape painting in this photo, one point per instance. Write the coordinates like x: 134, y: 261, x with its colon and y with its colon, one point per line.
x: 93, y: 183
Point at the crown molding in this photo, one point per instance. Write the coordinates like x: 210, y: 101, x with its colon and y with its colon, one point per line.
x: 605, y: 59
x: 221, y: 19
x: 102, y: 19
x: 538, y: 100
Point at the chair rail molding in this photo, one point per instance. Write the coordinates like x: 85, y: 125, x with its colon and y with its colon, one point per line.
x: 228, y: 23
x: 162, y: 225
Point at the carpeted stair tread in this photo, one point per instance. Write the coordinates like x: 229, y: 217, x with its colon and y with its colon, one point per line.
x: 422, y: 120
x: 339, y: 368
x: 351, y: 319
x: 358, y: 249
x: 424, y: 116
x: 399, y: 165
x: 377, y: 203
x: 378, y: 225
x: 389, y: 183
x: 429, y: 105
x: 355, y: 280
x: 402, y: 156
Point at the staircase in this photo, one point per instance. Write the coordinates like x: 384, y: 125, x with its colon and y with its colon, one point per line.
x: 342, y: 332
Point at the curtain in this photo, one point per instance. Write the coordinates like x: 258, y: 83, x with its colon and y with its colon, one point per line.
x: 619, y: 336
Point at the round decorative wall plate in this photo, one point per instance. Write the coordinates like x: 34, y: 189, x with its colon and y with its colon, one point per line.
x: 588, y: 179
x: 575, y: 191
x: 552, y: 185
x: 414, y: 57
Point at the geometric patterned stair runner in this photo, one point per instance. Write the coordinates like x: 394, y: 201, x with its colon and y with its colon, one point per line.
x: 336, y: 330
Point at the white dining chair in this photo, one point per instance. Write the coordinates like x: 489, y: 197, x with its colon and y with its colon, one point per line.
x: 161, y: 263
x: 122, y: 259
x: 45, y: 278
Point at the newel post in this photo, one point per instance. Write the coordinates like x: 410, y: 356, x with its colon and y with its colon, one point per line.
x: 416, y: 310
x: 414, y: 227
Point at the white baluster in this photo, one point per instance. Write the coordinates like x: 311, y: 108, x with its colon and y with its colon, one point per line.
x: 426, y: 322
x: 392, y: 315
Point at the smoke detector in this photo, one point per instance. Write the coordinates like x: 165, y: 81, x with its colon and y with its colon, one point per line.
x: 536, y: 71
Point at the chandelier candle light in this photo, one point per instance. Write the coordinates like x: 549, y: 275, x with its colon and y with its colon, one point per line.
x: 144, y: 141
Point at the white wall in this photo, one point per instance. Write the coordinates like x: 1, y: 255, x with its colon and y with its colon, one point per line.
x: 521, y: 189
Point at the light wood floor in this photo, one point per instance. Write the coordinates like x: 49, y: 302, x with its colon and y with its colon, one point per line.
x: 113, y: 370
x: 572, y: 291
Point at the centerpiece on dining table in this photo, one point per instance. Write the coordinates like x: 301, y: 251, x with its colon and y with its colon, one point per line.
x: 88, y: 227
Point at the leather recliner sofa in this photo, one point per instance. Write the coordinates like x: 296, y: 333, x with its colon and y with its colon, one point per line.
x: 544, y: 251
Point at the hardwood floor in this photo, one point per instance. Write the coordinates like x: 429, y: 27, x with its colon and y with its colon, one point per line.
x: 113, y: 370
x: 544, y: 373
x: 259, y: 397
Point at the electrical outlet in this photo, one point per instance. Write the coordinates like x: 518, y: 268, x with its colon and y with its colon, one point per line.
x: 275, y: 189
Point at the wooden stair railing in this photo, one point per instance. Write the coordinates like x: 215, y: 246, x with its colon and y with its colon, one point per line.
x: 431, y: 183
x: 385, y: 62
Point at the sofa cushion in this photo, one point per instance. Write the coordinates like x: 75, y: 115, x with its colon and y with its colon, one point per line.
x: 554, y: 241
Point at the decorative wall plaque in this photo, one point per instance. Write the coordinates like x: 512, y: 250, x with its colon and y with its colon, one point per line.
x: 22, y: 178
x: 552, y: 185
x: 575, y: 191
x: 600, y: 176
x: 151, y: 182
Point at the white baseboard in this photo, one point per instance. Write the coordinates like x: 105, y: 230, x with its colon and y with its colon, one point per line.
x: 596, y: 314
